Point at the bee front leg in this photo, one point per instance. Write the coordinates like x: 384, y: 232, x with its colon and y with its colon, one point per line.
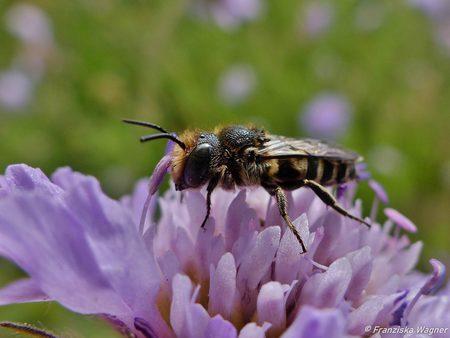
x: 211, y: 186
x: 329, y: 200
x: 282, y: 207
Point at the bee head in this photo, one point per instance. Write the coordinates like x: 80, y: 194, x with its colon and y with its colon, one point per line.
x: 197, y: 163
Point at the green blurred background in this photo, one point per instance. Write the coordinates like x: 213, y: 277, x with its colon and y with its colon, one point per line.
x: 379, y: 70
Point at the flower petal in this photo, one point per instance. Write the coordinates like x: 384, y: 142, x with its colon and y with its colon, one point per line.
x: 316, y: 323
x: 20, y: 177
x: 327, y: 289
x: 197, y: 319
x: 222, y: 287
x: 288, y: 261
x: 55, y: 253
x: 22, y: 291
x: 220, y: 328
x: 271, y: 307
x: 363, y: 316
x: 260, y: 257
x: 251, y: 330
x: 361, y: 262
x: 181, y: 297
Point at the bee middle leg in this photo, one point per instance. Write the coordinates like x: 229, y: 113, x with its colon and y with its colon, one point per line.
x: 329, y: 200
x: 282, y: 207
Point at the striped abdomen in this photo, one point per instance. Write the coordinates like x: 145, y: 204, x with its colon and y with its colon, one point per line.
x: 322, y: 170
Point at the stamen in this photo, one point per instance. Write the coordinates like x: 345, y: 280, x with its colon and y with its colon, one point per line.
x: 380, y: 195
x: 401, y: 220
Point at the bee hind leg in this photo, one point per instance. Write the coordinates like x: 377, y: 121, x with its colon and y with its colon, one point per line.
x: 282, y: 207
x: 329, y: 200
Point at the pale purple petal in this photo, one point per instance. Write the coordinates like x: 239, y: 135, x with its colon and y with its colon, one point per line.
x: 116, y: 244
x: 222, y: 289
x: 182, y: 289
x: 197, y: 319
x: 363, y: 316
x: 55, y: 253
x: 220, y: 328
x: 22, y: 291
x: 20, y: 177
x: 251, y: 330
x: 79, y: 238
x: 361, y: 263
x: 317, y: 323
x: 288, y: 260
x: 271, y: 307
x: 327, y: 289
x: 404, y: 261
x: 260, y: 258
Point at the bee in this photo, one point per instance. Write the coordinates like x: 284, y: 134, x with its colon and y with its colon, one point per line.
x: 240, y: 156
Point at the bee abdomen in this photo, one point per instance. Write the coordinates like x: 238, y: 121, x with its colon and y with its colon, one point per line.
x: 331, y: 172
x: 324, y: 171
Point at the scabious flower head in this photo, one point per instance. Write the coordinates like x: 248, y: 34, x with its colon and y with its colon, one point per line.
x: 243, y: 276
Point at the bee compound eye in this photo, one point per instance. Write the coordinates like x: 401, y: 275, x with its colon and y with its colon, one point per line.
x: 197, y: 166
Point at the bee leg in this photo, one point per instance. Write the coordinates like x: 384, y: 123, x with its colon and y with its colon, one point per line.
x: 211, y: 186
x: 282, y: 207
x: 329, y: 200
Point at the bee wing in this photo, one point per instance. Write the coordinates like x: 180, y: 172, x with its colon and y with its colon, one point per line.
x: 284, y: 147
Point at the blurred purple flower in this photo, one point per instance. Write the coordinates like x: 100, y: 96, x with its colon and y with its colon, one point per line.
x: 438, y: 11
x: 435, y: 9
x: 32, y: 27
x: 236, y: 278
x: 236, y: 84
x: 228, y: 14
x: 327, y: 115
x: 316, y: 18
x: 29, y: 23
x: 16, y: 89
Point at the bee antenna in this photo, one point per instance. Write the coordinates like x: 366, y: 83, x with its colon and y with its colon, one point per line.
x: 165, y: 135
x: 145, y: 124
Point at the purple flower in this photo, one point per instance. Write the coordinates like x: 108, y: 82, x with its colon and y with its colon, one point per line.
x: 236, y: 278
x: 327, y: 115
x: 236, y: 84
x: 438, y: 11
x: 15, y: 89
x: 228, y: 14
x: 316, y: 19
x: 30, y: 24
